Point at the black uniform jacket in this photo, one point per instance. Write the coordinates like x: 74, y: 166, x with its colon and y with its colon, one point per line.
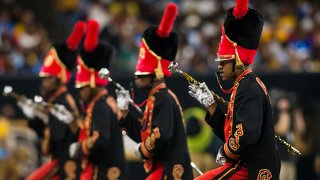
x: 162, y: 134
x: 248, y: 128
x: 60, y: 135
x: 107, y: 152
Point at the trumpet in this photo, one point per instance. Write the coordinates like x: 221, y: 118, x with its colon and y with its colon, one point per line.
x: 173, y: 67
x: 105, y: 74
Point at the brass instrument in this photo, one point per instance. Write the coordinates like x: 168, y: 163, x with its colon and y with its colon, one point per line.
x: 173, y: 67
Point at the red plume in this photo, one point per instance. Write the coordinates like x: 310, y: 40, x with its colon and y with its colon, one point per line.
x: 92, y: 37
x: 241, y: 8
x: 76, y: 35
x: 167, y: 20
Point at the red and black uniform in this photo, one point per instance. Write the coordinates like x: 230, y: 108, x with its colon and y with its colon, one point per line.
x: 105, y: 159
x: 57, y: 138
x: 102, y: 153
x: 247, y: 131
x: 248, y: 127
x: 59, y: 62
x: 161, y: 131
x: 162, y: 136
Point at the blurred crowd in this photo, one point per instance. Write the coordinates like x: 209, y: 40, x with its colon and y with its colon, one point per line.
x: 290, y: 40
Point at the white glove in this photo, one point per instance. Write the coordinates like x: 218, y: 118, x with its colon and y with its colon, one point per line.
x: 61, y: 113
x: 202, y: 94
x: 74, y: 150
x: 137, y: 151
x: 123, y: 99
x: 27, y: 107
x: 220, y: 159
x: 41, y: 112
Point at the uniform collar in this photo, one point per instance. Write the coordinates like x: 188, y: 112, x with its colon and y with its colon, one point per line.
x: 157, y: 88
x: 242, y: 75
x: 98, y: 96
x: 57, y: 93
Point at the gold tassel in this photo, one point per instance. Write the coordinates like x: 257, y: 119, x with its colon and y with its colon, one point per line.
x: 239, y: 63
x: 92, y: 80
x: 158, y: 70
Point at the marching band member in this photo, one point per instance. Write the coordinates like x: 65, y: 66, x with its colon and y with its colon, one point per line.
x: 100, y: 143
x: 58, y: 116
x: 249, y: 150
x: 161, y: 134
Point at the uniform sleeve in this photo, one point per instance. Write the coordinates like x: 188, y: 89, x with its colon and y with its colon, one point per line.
x: 164, y: 113
x: 247, y: 123
x: 38, y: 126
x: 216, y: 122
x: 101, y: 123
x: 102, y: 116
x: 132, y: 126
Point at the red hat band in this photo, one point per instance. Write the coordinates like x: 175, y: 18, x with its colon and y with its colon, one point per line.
x: 150, y: 63
x: 230, y: 50
x: 88, y: 76
x: 53, y: 66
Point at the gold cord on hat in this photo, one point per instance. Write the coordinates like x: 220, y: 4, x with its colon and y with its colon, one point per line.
x: 92, y: 79
x: 158, y: 71
x: 239, y: 63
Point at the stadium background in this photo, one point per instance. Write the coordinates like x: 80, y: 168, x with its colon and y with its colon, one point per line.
x: 288, y: 61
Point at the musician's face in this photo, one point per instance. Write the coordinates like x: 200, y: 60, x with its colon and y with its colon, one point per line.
x: 143, y: 81
x: 225, y: 69
x: 49, y: 85
x: 85, y: 93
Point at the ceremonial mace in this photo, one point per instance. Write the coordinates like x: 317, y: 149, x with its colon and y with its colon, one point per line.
x: 8, y: 92
x: 37, y: 100
x: 173, y: 67
x: 105, y: 74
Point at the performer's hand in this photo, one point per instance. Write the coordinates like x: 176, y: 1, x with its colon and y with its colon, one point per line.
x: 137, y: 151
x: 202, y: 94
x: 123, y: 99
x: 27, y: 107
x: 74, y: 150
x: 61, y: 113
x: 220, y: 159
x: 41, y: 113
